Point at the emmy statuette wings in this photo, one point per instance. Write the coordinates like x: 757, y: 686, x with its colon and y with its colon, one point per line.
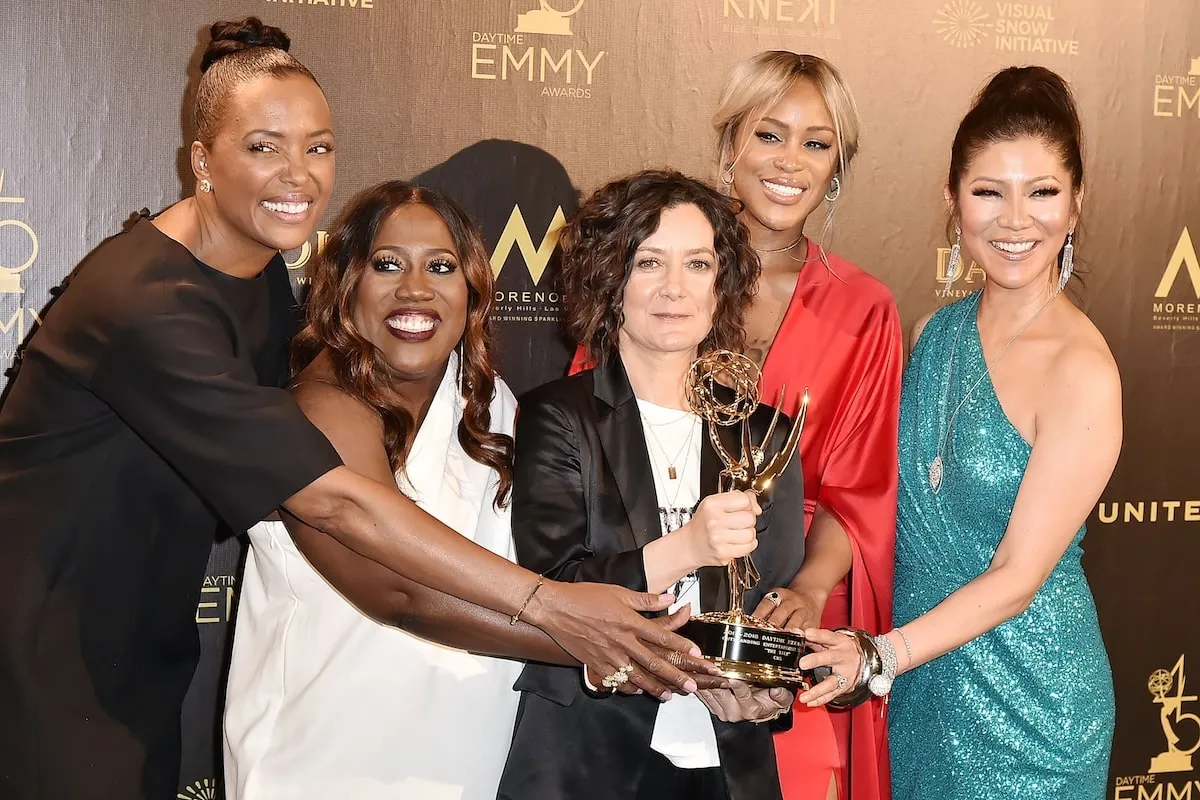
x: 742, y: 646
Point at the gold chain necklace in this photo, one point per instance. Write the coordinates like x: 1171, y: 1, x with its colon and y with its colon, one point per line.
x: 784, y: 249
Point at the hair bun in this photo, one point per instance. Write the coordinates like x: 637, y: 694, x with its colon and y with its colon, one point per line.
x: 233, y: 36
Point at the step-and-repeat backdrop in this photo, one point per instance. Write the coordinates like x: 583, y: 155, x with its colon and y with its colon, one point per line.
x: 518, y: 106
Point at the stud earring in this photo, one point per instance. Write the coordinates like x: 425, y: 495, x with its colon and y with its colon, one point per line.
x: 206, y: 185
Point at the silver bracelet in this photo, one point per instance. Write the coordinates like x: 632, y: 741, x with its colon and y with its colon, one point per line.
x: 907, y: 647
x: 881, y: 684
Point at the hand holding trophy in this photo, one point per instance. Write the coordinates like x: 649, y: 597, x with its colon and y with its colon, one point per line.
x: 722, y: 388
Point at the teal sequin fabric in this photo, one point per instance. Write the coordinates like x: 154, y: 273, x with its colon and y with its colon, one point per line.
x: 1026, y: 709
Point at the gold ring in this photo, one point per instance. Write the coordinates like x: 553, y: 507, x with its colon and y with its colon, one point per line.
x: 675, y: 658
x: 617, y: 678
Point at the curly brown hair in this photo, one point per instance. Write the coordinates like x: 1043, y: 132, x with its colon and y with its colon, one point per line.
x: 599, y: 242
x: 358, y: 365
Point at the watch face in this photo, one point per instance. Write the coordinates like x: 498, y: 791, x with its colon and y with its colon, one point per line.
x: 880, y: 685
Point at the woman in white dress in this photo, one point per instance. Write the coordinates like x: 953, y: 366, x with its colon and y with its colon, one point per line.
x: 331, y: 694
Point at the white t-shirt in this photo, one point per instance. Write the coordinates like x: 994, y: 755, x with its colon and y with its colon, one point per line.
x: 683, y: 730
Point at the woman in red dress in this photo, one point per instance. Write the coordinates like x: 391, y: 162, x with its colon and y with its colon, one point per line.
x: 787, y: 131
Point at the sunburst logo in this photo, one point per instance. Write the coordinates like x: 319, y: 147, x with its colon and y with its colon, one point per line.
x: 962, y: 23
x: 200, y: 790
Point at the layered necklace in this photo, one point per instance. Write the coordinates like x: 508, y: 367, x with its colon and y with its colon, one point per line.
x: 937, y: 466
x: 672, y: 481
x: 671, y: 517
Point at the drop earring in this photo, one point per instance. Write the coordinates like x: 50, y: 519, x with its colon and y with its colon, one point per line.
x: 1068, y: 261
x: 955, y: 257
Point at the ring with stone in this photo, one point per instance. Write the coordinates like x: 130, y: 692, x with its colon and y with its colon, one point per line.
x: 842, y: 682
x: 617, y: 678
x: 775, y: 598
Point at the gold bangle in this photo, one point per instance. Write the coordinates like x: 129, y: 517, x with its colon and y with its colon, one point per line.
x: 517, y: 616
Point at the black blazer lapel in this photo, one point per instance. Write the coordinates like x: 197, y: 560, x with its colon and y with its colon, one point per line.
x: 624, y: 445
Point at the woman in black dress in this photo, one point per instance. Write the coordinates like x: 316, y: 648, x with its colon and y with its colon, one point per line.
x: 147, y: 409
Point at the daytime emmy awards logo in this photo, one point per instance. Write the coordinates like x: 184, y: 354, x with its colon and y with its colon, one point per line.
x: 1178, y: 95
x: 511, y: 55
x: 962, y: 23
x: 10, y: 274
x: 547, y: 19
x: 1174, y: 758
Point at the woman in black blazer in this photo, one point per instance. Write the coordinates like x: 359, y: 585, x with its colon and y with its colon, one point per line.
x: 615, y: 482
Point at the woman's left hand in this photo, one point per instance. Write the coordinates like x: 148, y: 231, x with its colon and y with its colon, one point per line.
x: 839, y: 653
x: 795, y: 611
x: 742, y: 703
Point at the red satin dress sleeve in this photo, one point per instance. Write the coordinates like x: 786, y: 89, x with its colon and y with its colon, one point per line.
x: 841, y: 339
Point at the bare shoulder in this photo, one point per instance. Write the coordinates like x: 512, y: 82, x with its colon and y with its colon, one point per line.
x: 1083, y: 372
x: 331, y: 408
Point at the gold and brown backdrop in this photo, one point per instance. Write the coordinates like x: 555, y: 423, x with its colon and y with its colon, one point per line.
x: 518, y: 106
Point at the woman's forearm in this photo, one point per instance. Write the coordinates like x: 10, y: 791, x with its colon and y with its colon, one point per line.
x: 454, y: 623
x: 381, y: 524
x: 994, y: 597
x: 828, y: 556
x: 666, y: 560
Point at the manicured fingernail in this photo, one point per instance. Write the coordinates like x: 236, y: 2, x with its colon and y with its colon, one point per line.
x: 668, y: 598
x: 665, y: 696
x: 695, y: 651
x: 690, y: 686
x: 639, y: 691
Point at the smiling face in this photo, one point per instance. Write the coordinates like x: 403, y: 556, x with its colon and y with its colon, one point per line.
x: 412, y: 298
x: 1015, y: 205
x: 669, y: 300
x: 784, y: 164
x: 271, y: 162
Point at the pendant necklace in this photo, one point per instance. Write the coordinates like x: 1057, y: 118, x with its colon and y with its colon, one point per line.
x: 650, y: 426
x: 937, y: 466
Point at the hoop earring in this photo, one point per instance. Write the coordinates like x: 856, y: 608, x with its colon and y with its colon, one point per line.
x: 727, y: 175
x: 1068, y: 261
x: 206, y: 185
x: 835, y: 190
x: 955, y: 257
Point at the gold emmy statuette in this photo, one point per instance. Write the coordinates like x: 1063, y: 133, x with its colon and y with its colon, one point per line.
x: 722, y: 388
x: 1174, y: 758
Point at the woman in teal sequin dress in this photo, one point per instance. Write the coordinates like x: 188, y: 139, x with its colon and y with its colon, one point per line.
x: 1010, y: 427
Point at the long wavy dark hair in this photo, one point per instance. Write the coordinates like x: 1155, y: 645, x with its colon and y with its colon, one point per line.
x: 599, y: 242
x: 358, y: 366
